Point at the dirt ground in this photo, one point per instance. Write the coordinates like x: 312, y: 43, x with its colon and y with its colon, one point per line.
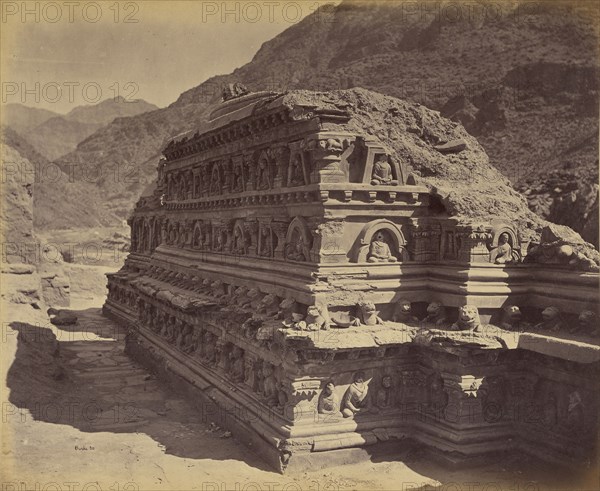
x: 99, y: 421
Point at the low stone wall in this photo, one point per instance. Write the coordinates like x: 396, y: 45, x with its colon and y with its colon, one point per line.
x: 466, y: 395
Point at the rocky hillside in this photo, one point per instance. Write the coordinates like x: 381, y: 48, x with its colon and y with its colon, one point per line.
x: 61, y: 198
x: 17, y: 201
x: 523, y: 80
x: 22, y: 118
x: 54, y: 135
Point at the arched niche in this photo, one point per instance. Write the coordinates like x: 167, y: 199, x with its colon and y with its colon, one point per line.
x: 397, y: 247
x: 197, y: 238
x: 263, y: 171
x: 499, y: 228
x: 297, y: 169
x: 298, y: 240
x: 240, y: 240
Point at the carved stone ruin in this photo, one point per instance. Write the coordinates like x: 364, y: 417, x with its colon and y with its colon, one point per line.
x: 285, y: 273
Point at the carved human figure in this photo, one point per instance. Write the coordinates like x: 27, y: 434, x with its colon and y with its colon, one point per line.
x: 182, y: 235
x: 575, y: 413
x: 382, y: 172
x: 550, y: 320
x: 436, y: 314
x: 210, y: 348
x: 367, y: 314
x: 215, y: 182
x: 403, y: 312
x: 207, y: 239
x: 512, y: 319
x: 266, y: 247
x: 356, y: 398
x: 238, y: 242
x: 201, y: 345
x: 165, y: 327
x: 238, y: 366
x: 437, y: 398
x: 296, y: 172
x: 468, y: 319
x: 191, y: 342
x: 269, y: 384
x: 384, y: 395
x: 503, y: 253
x: 379, y: 250
x: 219, y: 244
x: 176, y: 331
x: 328, y: 402
x: 295, y: 250
x: 184, y: 335
x: 262, y: 175
x: 238, y: 179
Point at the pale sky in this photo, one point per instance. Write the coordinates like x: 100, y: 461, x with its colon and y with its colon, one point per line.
x: 51, y: 51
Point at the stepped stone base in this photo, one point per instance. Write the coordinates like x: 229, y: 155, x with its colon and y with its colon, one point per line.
x: 465, y: 403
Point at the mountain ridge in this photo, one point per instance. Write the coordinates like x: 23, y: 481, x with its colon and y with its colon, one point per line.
x: 518, y: 116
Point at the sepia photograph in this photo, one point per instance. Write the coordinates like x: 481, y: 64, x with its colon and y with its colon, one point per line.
x: 300, y: 245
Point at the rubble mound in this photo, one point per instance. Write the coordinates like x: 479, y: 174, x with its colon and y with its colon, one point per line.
x: 438, y: 152
x: 561, y: 245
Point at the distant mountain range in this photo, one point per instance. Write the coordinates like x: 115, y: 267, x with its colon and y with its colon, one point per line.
x: 54, y: 135
x: 523, y: 81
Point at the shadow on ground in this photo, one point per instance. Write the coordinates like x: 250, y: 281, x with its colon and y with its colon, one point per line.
x: 81, y: 377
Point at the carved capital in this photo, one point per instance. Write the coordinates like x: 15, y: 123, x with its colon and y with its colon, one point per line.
x: 466, y: 386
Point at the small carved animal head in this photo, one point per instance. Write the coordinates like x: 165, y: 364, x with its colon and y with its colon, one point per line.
x: 367, y: 307
x: 468, y: 315
x: 404, y: 306
x: 587, y: 318
x: 313, y: 310
x: 268, y: 300
x: 287, y: 303
x: 550, y: 313
x: 253, y: 293
x: 512, y: 313
x: 386, y: 381
x: 434, y: 308
x: 241, y: 290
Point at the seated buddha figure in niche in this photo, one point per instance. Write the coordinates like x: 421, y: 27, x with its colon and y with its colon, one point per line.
x: 379, y: 250
x: 503, y: 253
x: 382, y: 172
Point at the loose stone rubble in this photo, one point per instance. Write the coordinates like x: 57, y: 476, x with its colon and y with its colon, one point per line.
x: 290, y: 275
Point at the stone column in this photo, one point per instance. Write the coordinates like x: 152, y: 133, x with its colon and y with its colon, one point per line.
x: 464, y: 405
x: 425, y: 242
x: 280, y: 230
x: 324, y: 153
x: 473, y: 240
